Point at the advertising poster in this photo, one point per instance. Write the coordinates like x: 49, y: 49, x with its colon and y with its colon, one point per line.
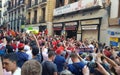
x: 114, y: 41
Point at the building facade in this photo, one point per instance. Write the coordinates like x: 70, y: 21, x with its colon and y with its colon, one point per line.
x: 13, y: 15
x: 114, y: 24
x: 21, y: 15
x: 39, y: 14
x: 16, y: 14
x: 4, y: 12
x: 82, y: 19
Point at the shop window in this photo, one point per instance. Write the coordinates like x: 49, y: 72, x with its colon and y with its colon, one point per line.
x: 59, y: 3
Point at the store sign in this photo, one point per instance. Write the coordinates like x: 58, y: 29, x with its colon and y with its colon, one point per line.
x: 87, y: 22
x: 115, y: 39
x: 82, y: 4
x: 71, y: 24
x: 57, y: 25
x: 92, y: 27
x: 114, y: 21
x: 113, y: 33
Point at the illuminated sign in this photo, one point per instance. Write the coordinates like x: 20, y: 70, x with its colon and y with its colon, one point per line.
x: 91, y: 27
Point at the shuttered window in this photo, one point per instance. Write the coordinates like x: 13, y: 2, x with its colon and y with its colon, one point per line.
x: 59, y: 3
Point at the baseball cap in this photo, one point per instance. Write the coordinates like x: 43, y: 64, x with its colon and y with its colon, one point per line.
x: 21, y: 45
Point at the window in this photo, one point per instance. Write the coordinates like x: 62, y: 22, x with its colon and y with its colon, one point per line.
x: 35, y: 14
x: 0, y: 3
x: 43, y: 14
x: 119, y: 9
x: 0, y: 14
x: 29, y: 16
x: 35, y: 17
x: 59, y: 3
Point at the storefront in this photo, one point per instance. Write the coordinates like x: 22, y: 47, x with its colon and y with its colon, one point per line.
x: 71, y: 29
x: 114, y: 38
x: 90, y: 29
x: 57, y: 28
x: 114, y: 32
x: 83, y: 19
x: 42, y: 27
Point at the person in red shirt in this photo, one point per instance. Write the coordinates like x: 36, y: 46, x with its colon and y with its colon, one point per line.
x: 60, y: 48
x: 14, y: 44
x: 71, y: 48
x: 107, y: 51
x: 54, y: 43
x: 46, y: 31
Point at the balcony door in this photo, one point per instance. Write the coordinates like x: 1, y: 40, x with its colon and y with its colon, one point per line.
x: 35, y: 16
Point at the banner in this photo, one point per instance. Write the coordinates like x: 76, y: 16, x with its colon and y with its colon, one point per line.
x: 82, y: 4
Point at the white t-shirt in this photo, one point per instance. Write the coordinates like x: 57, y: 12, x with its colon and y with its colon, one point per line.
x: 45, y: 53
x: 29, y: 53
x: 17, y: 72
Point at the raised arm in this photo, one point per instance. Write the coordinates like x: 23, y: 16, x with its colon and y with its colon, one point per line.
x: 1, y: 69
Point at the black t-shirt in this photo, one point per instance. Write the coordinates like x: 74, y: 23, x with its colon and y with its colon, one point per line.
x: 49, y: 68
x: 9, y: 49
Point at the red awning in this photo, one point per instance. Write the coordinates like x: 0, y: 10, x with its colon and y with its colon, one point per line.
x: 57, y: 28
x: 70, y: 28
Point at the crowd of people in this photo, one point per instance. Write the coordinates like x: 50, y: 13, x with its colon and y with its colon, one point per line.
x: 38, y: 54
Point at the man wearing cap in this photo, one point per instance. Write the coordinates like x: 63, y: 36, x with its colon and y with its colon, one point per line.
x: 59, y: 60
x: 22, y: 56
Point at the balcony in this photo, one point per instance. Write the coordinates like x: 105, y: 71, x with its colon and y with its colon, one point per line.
x: 34, y: 21
x: 28, y: 6
x: 27, y: 21
x: 41, y: 20
x: 6, y: 3
x: 4, y: 13
x: 42, y: 1
x: 21, y: 2
x: 0, y: 5
x: 0, y: 15
x: 74, y: 7
x: 36, y: 2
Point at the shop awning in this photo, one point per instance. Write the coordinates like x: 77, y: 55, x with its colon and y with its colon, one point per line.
x: 57, y: 28
x: 70, y: 27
